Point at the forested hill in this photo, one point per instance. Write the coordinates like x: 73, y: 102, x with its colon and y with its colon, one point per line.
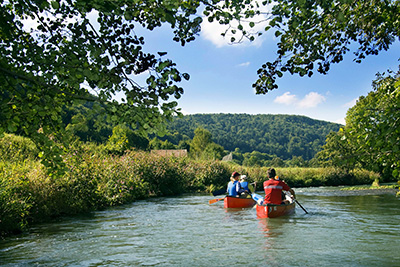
x: 281, y: 135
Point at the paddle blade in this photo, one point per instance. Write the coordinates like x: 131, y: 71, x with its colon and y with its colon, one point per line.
x: 212, y: 201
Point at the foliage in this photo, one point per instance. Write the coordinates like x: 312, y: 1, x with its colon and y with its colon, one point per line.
x: 123, y: 139
x: 338, y: 151
x: 201, y: 139
x: 53, y: 53
x: 283, y: 136
x: 15, y: 204
x: 15, y: 148
x: 373, y: 125
x: 202, y: 146
x: 156, y: 143
x: 96, y: 180
x: 313, y: 35
x: 87, y: 121
x: 371, y: 136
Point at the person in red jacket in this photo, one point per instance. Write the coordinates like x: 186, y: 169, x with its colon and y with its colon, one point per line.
x: 273, y: 189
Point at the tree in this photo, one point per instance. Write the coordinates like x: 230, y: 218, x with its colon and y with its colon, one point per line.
x: 124, y: 138
x: 313, y: 35
x: 87, y: 121
x: 202, y: 138
x: 277, y: 162
x: 339, y: 151
x: 297, y: 162
x: 372, y: 133
x: 373, y: 126
x: 213, y: 152
x: 62, y: 56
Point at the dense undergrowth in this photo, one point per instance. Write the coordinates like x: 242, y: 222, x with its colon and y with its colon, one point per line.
x: 95, y: 180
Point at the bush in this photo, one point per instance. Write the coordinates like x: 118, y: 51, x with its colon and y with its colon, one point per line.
x: 15, y: 148
x: 15, y: 199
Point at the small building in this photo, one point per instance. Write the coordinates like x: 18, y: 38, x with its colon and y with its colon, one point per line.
x: 228, y: 157
x: 170, y: 152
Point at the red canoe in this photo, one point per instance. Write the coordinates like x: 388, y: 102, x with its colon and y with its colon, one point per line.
x: 273, y: 211
x: 237, y: 202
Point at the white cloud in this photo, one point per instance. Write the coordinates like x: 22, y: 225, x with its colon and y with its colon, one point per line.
x: 286, y: 99
x: 244, y: 64
x: 350, y: 103
x: 341, y: 121
x: 311, y: 100
x: 212, y: 31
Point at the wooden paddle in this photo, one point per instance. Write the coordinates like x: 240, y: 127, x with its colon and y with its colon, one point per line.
x: 212, y: 201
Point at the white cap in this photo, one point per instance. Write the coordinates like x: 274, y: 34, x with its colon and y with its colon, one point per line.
x: 243, y: 177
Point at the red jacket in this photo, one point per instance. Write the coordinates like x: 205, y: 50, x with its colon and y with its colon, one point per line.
x: 273, y: 191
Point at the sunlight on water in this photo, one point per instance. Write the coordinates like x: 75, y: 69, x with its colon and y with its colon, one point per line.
x: 341, y: 229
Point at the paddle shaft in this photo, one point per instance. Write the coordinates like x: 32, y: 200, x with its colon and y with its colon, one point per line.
x: 212, y: 201
x: 298, y: 203
x: 301, y: 206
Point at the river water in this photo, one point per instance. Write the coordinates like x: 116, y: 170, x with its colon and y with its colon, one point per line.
x: 342, y: 228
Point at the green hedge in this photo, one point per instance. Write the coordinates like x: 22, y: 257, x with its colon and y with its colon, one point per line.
x: 306, y: 177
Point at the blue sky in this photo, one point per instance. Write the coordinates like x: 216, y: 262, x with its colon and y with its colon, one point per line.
x: 222, y: 75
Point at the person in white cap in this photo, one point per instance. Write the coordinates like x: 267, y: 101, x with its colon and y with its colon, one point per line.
x: 245, y: 187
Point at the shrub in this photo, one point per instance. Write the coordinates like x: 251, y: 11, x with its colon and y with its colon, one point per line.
x: 15, y: 148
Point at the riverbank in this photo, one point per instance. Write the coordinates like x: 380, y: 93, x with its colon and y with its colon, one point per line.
x: 94, y: 181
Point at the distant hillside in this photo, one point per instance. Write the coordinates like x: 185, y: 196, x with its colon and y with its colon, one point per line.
x: 281, y: 135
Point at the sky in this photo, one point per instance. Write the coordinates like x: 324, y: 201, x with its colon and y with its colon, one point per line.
x: 222, y: 74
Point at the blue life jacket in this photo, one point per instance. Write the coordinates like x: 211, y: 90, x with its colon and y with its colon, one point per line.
x: 244, y: 185
x: 233, y: 188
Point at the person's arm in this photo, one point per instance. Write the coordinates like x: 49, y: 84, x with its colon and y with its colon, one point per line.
x: 287, y: 188
x: 292, y: 192
x: 251, y: 188
x: 238, y: 187
x: 227, y: 188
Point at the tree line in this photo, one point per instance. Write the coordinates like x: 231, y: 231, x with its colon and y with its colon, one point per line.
x: 262, y: 136
x: 282, y: 136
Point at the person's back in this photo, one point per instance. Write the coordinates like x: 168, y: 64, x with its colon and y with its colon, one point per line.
x: 233, y: 185
x: 273, y: 189
x: 245, y: 188
x: 232, y: 188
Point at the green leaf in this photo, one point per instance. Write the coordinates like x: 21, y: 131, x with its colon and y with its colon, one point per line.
x: 55, y: 4
x: 170, y: 18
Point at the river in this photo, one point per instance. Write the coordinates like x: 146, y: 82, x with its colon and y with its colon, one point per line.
x: 342, y: 228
